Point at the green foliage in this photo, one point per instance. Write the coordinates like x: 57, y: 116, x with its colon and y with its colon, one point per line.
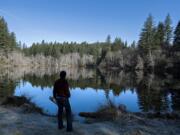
x: 155, y: 37
x: 159, y: 36
x: 12, y: 40
x: 4, y: 35
x: 117, y: 45
x: 57, y: 49
x: 146, y: 40
x: 133, y: 45
x: 7, y: 39
x: 151, y: 38
x: 176, y: 41
x: 168, y: 30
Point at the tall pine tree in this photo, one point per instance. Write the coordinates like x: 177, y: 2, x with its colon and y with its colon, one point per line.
x: 108, y: 40
x: 159, y: 36
x: 168, y: 30
x: 176, y: 41
x: 7, y: 40
x: 146, y: 40
x: 108, y: 43
x: 13, y: 43
x: 4, y: 35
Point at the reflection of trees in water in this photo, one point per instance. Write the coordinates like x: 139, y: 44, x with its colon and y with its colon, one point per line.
x: 46, y: 79
x: 153, y: 92
x: 117, y: 80
x: 42, y: 81
x: 7, y: 86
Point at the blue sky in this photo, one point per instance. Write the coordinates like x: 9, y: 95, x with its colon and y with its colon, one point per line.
x: 83, y: 20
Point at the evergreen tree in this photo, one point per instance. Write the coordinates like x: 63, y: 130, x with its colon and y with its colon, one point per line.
x: 133, y: 45
x: 108, y: 40
x: 4, y: 35
x: 42, y: 42
x: 13, y: 43
x: 159, y: 36
x: 7, y: 40
x: 176, y: 41
x: 125, y: 44
x: 24, y: 46
x: 168, y: 30
x: 20, y: 45
x: 108, y: 44
x: 146, y: 40
x: 117, y: 45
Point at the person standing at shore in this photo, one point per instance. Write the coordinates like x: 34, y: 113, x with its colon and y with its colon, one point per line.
x: 62, y: 94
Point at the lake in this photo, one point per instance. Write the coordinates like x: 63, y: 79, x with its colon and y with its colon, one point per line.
x: 92, y: 88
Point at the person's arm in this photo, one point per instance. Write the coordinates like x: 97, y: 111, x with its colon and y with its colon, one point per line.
x: 54, y: 90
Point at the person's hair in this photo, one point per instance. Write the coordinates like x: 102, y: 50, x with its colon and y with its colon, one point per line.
x: 63, y: 74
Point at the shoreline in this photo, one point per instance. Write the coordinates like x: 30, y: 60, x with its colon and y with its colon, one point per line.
x: 14, y: 121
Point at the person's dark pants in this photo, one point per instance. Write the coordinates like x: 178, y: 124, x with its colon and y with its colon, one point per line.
x: 61, y: 105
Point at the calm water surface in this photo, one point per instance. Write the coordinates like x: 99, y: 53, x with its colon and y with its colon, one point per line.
x: 82, y: 100
x: 90, y: 89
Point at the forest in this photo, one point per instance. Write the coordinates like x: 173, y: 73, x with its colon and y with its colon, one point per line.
x: 158, y: 48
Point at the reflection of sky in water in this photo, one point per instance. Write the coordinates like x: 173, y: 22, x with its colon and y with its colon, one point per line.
x: 38, y: 96
x: 82, y: 100
x: 127, y: 98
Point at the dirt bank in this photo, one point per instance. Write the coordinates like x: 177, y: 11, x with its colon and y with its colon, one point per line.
x: 13, y: 121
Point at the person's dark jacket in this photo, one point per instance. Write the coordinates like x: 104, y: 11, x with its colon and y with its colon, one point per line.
x: 61, y: 89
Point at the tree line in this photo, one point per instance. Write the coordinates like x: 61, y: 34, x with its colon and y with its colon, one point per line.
x: 152, y: 37
x: 57, y: 49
